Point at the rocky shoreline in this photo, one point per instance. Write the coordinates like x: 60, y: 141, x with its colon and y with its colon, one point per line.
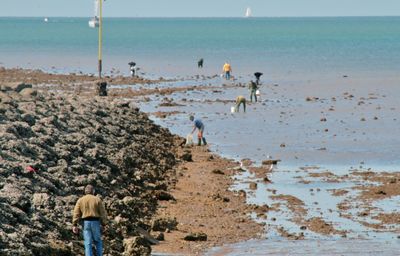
x: 53, y: 144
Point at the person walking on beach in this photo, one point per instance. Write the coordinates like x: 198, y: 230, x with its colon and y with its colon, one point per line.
x: 200, y: 63
x: 227, y: 69
x: 258, y: 75
x: 90, y: 211
x: 240, y: 100
x: 253, y: 89
x: 198, y: 124
x: 132, y: 68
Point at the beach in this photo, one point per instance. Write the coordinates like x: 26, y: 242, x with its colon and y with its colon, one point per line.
x: 312, y: 167
x: 210, y: 194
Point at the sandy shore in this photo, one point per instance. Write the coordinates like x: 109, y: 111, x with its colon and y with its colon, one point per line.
x: 198, y: 201
x: 205, y: 204
x: 197, y: 197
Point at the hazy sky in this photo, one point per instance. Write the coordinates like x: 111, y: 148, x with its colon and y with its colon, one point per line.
x: 201, y: 8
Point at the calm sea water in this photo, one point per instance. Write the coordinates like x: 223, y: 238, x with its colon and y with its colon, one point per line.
x: 172, y: 46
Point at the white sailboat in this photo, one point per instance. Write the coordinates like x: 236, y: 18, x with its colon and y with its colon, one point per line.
x: 94, y: 22
x: 46, y: 19
x: 248, y: 12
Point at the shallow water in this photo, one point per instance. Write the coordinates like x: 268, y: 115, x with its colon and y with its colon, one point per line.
x: 310, y: 247
x: 284, y: 116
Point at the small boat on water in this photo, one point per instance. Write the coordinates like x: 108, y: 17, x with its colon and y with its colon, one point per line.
x: 248, y: 13
x: 94, y: 22
x: 46, y: 19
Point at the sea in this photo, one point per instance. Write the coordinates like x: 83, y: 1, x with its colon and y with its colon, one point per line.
x: 329, y: 103
x: 172, y: 46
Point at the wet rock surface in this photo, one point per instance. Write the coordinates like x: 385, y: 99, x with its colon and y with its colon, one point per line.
x: 51, y: 146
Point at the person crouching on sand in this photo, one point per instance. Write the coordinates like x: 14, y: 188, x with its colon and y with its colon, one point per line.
x: 198, y: 124
x: 240, y: 100
x: 90, y: 211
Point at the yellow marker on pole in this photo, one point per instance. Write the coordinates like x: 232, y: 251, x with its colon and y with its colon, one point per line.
x: 100, y: 35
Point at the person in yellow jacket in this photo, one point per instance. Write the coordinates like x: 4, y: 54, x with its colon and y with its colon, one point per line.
x: 90, y: 210
x: 227, y: 69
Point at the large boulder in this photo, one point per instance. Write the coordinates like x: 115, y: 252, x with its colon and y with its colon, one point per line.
x: 17, y: 86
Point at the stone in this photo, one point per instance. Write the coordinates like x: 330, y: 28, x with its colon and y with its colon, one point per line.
x: 200, y: 236
x: 17, y: 86
x: 187, y: 157
x: 162, y: 224
x: 28, y: 92
x: 253, y: 185
x: 136, y: 246
x: 41, y: 200
x: 218, y: 171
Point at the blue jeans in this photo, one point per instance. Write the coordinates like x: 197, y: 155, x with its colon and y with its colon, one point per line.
x: 227, y: 75
x: 92, y: 234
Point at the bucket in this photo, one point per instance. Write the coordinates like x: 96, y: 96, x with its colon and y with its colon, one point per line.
x: 189, y: 139
x: 233, y: 109
x: 258, y: 93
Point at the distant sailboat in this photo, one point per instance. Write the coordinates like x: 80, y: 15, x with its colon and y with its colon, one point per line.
x: 94, y: 22
x: 248, y: 12
x: 46, y: 20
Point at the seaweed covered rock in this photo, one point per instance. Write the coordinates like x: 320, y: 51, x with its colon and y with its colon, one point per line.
x: 52, y: 146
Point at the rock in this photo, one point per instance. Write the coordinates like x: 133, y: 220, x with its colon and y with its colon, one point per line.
x: 28, y: 92
x: 41, y: 200
x: 159, y: 236
x: 253, y: 185
x: 72, y: 142
x: 218, y: 171
x: 162, y: 224
x: 146, y: 235
x: 136, y: 246
x: 187, y: 156
x: 28, y: 118
x: 17, y: 87
x: 196, y: 237
x: 270, y: 162
x: 163, y: 196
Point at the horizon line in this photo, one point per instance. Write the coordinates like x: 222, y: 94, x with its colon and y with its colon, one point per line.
x: 202, y: 17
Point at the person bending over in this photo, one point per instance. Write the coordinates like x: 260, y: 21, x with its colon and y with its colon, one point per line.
x: 198, y: 124
x: 240, y: 100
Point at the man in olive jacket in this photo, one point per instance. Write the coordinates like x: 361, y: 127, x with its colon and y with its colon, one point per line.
x: 90, y: 210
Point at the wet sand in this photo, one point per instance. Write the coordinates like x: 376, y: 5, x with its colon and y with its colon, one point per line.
x: 202, y: 201
x: 300, y: 200
x: 205, y: 204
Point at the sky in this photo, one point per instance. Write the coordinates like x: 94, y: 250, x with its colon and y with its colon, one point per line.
x: 200, y: 8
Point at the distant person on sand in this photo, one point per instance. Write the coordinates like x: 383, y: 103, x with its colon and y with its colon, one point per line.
x: 253, y: 89
x: 240, y: 100
x: 198, y: 124
x: 258, y: 75
x: 90, y: 211
x: 132, y: 68
x: 200, y: 63
x: 227, y: 69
